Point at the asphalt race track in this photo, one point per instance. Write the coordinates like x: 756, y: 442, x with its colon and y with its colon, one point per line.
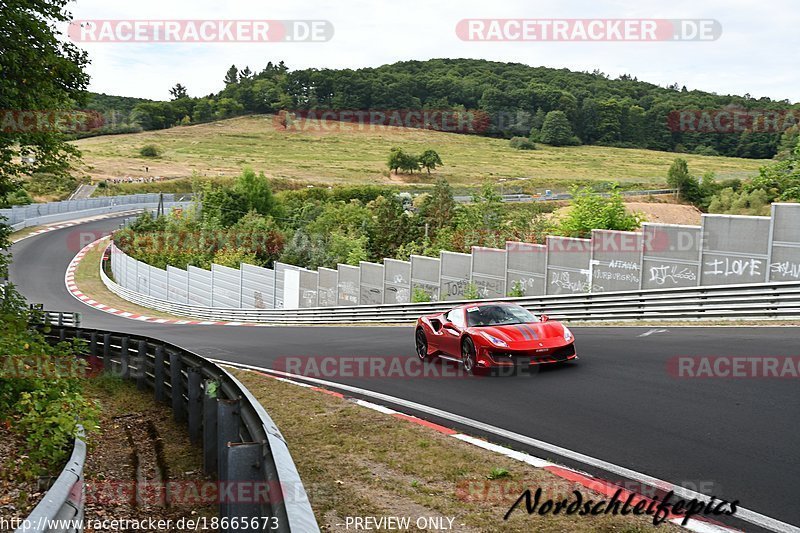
x: 733, y: 438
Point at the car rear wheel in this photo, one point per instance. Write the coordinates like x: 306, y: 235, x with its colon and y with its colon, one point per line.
x: 421, y: 345
x: 468, y: 358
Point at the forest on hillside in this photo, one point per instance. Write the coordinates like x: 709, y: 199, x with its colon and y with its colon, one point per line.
x: 622, y: 112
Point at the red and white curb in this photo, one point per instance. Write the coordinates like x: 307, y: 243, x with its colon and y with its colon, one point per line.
x: 74, y: 290
x: 590, y: 482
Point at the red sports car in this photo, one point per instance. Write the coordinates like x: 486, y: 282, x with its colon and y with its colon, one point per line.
x: 493, y: 335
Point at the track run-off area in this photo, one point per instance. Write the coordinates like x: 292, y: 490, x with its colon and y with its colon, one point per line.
x: 622, y: 404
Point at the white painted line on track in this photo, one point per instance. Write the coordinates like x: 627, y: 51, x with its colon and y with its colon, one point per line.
x: 746, y: 515
x: 650, y: 332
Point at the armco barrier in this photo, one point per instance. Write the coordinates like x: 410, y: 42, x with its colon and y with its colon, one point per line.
x: 241, y: 443
x: 24, y: 216
x: 762, y: 300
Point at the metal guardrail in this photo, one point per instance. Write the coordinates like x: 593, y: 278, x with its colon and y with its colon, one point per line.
x: 522, y: 197
x: 760, y: 300
x: 241, y: 443
x: 20, y: 217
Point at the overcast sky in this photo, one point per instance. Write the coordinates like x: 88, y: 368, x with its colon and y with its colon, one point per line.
x: 757, y: 52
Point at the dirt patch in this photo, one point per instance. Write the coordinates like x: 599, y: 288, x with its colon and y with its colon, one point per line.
x: 138, y: 450
x: 653, y: 211
x: 667, y: 213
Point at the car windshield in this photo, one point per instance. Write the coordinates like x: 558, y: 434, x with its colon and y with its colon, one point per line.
x: 498, y: 315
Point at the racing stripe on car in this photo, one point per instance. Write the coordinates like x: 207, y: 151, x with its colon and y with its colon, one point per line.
x: 525, y: 332
x: 533, y: 331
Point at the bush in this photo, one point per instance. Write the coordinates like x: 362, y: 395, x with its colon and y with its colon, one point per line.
x: 522, y: 143
x: 592, y: 211
x: 517, y: 291
x: 150, y: 150
x: 471, y: 291
x: 419, y: 295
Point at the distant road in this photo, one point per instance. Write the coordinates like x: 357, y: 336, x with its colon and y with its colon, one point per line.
x: 83, y: 192
x: 562, y: 196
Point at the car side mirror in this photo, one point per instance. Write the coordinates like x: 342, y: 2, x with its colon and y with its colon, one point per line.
x: 544, y: 318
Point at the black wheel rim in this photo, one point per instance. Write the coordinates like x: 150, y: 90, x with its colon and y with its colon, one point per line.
x: 468, y: 357
x: 422, y: 345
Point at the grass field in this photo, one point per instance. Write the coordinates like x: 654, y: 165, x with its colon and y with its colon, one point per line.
x: 341, y: 155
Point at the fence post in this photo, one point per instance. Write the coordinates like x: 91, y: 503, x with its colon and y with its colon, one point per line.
x: 210, y: 428
x: 195, y: 405
x: 176, y: 382
x: 228, y: 422
x: 106, y: 352
x: 125, y: 357
x: 141, y: 366
x: 159, y: 374
x: 244, y: 466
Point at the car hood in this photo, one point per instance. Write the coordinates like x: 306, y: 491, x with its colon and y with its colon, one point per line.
x: 525, y: 333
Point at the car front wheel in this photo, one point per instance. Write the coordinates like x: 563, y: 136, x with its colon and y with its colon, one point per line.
x: 421, y: 345
x: 468, y: 357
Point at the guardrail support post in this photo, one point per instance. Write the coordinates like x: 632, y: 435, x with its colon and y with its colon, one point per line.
x: 141, y: 366
x: 195, y: 407
x: 62, y: 335
x: 244, y: 466
x: 176, y: 381
x: 158, y: 372
x: 125, y: 357
x: 228, y: 423
x: 106, y: 351
x: 209, y: 430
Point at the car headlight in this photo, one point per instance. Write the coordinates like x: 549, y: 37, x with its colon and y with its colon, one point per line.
x: 568, y: 337
x: 494, y: 340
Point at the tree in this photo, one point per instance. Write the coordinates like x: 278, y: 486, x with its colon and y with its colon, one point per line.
x: 400, y: 160
x: 556, y: 129
x: 256, y: 191
x: 409, y: 163
x: 429, y: 160
x: 39, y: 71
x: 396, y: 156
x: 231, y: 76
x: 390, y: 227
x: 591, y: 211
x: 438, y: 208
x: 678, y: 177
x: 178, y: 91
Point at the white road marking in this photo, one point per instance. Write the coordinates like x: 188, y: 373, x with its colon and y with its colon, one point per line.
x: 747, y: 515
x: 648, y: 333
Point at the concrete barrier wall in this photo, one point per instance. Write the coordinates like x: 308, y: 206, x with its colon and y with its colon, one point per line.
x: 785, y: 243
x: 526, y: 268
x: 349, y: 285
x: 670, y: 256
x: 327, y: 284
x: 371, y: 283
x: 568, y: 265
x: 309, y: 283
x: 616, y: 260
x: 258, y: 287
x: 735, y: 249
x: 489, y: 272
x: 396, y: 281
x: 725, y: 249
x: 425, y: 275
x: 455, y: 274
x: 226, y: 286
